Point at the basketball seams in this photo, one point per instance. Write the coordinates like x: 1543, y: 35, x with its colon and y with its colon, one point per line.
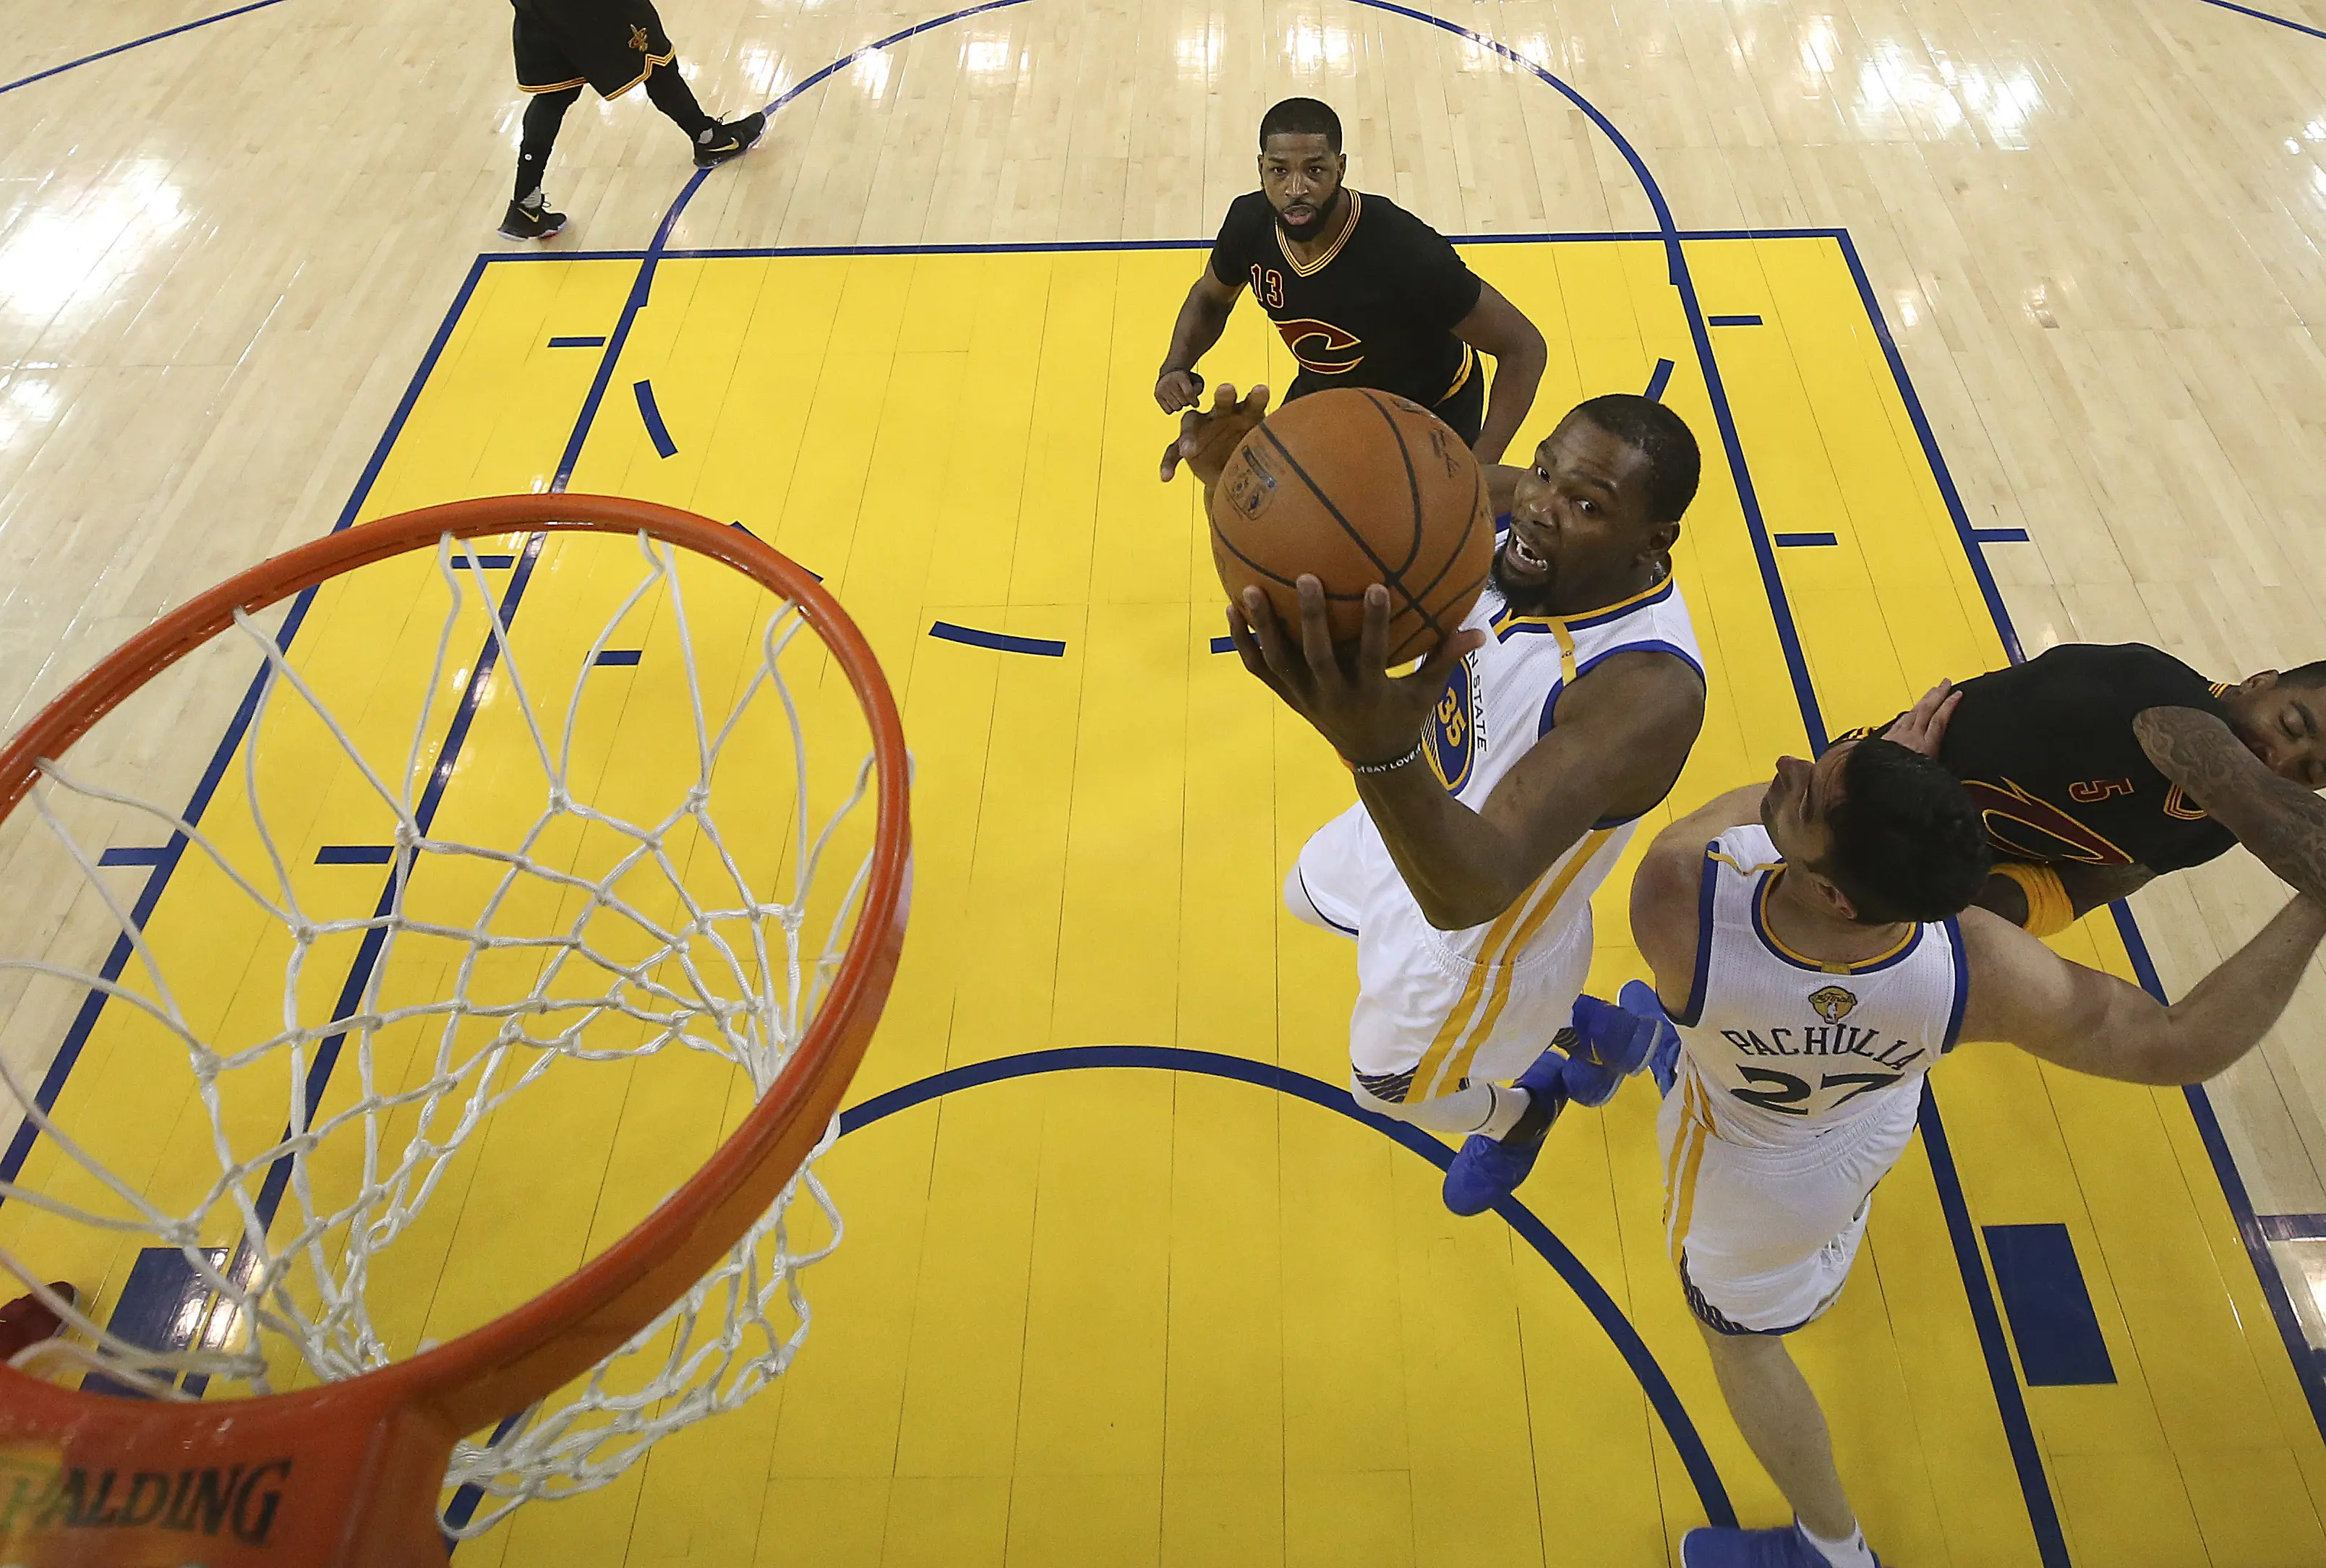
x: 1389, y: 578
x: 1412, y: 479
x: 1222, y: 540
x: 1477, y: 504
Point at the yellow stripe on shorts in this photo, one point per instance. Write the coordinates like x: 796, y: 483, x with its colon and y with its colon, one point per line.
x: 1472, y: 1020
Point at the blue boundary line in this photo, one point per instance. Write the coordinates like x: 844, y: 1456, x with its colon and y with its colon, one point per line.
x: 1922, y: 432
x: 1805, y: 541
x: 1001, y: 642
x: 657, y: 431
x: 1015, y: 247
x: 2026, y: 1454
x: 1733, y: 320
x: 136, y: 43
x: 1661, y: 1395
x: 2265, y: 16
x: 1657, y: 379
x: 2307, y: 1369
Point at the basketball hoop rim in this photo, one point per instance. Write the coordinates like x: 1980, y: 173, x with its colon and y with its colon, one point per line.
x: 507, y: 1364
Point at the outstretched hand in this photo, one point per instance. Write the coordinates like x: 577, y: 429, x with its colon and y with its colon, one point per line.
x: 1208, y: 440
x: 1370, y: 715
x: 1924, y: 727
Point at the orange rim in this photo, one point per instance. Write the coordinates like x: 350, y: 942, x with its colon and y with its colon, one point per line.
x: 521, y: 1357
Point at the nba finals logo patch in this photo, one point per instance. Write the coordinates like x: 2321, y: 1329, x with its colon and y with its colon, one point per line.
x: 1251, y: 486
x: 1832, y: 1004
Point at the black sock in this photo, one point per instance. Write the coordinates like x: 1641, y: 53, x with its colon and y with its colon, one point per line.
x: 1542, y: 1110
x: 673, y: 96
x: 543, y: 115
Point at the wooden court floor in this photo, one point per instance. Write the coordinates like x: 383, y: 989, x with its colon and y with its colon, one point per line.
x: 1161, y: 1300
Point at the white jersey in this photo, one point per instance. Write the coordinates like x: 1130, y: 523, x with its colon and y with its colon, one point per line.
x: 1782, y: 1051
x: 1502, y: 701
x: 1436, y: 1009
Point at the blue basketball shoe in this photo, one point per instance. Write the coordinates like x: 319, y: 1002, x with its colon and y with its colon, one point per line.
x: 1611, y: 1041
x: 1712, y: 1548
x: 1485, y: 1171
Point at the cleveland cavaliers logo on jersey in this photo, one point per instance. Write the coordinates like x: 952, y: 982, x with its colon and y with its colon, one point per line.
x: 1250, y: 486
x: 1455, y: 733
x: 2034, y: 830
x: 1832, y: 1004
x: 1323, y: 348
x: 638, y: 39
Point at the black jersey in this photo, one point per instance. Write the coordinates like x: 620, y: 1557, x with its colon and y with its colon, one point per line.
x: 1377, y: 309
x: 2046, y: 750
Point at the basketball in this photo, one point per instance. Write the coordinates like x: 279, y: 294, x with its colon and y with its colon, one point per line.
x: 1357, y: 486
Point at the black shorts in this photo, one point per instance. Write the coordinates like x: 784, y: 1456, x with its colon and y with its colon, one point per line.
x: 611, y: 45
x: 1465, y: 407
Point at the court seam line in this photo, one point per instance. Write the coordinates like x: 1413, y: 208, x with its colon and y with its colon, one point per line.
x: 1596, y: 1299
x: 2308, y: 1370
x: 136, y: 43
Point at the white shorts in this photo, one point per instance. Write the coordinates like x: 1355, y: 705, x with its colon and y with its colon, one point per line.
x: 1765, y: 1237
x: 1428, y: 1016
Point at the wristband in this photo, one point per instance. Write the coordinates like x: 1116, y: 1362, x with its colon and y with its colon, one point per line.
x: 1385, y: 767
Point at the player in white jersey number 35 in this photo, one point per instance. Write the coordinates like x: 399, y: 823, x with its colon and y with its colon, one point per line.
x: 1496, y: 785
x: 1811, y: 939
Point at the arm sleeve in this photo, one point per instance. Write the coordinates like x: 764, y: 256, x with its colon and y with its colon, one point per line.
x: 1439, y: 285
x: 1232, y: 251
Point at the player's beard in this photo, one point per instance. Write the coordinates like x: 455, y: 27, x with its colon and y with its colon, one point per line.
x: 1326, y: 216
x: 1526, y: 598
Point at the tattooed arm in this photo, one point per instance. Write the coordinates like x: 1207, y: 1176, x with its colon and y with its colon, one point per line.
x: 2283, y: 824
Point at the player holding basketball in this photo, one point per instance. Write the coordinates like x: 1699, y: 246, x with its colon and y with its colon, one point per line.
x: 1496, y: 785
x: 1803, y: 936
x: 1363, y: 293
x: 2097, y: 767
x: 611, y: 45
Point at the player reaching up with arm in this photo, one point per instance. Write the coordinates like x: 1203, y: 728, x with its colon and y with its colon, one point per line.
x: 1496, y: 784
x: 1803, y: 935
x: 1363, y: 294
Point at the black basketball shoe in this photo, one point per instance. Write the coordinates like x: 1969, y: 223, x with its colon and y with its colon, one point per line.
x: 729, y: 139
x: 531, y: 222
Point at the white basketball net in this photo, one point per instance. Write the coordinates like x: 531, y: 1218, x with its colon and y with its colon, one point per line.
x: 664, y: 937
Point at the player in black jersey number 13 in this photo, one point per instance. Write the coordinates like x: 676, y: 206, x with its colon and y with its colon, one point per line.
x: 1362, y: 293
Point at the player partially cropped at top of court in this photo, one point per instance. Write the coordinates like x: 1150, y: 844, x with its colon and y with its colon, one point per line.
x: 1496, y: 784
x: 1812, y: 940
x: 562, y: 46
x: 2097, y: 767
x: 1362, y: 293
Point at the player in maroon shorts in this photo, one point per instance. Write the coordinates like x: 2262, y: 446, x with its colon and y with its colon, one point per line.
x: 612, y: 45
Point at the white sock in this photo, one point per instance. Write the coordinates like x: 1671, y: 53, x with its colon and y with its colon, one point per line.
x: 1850, y: 1553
